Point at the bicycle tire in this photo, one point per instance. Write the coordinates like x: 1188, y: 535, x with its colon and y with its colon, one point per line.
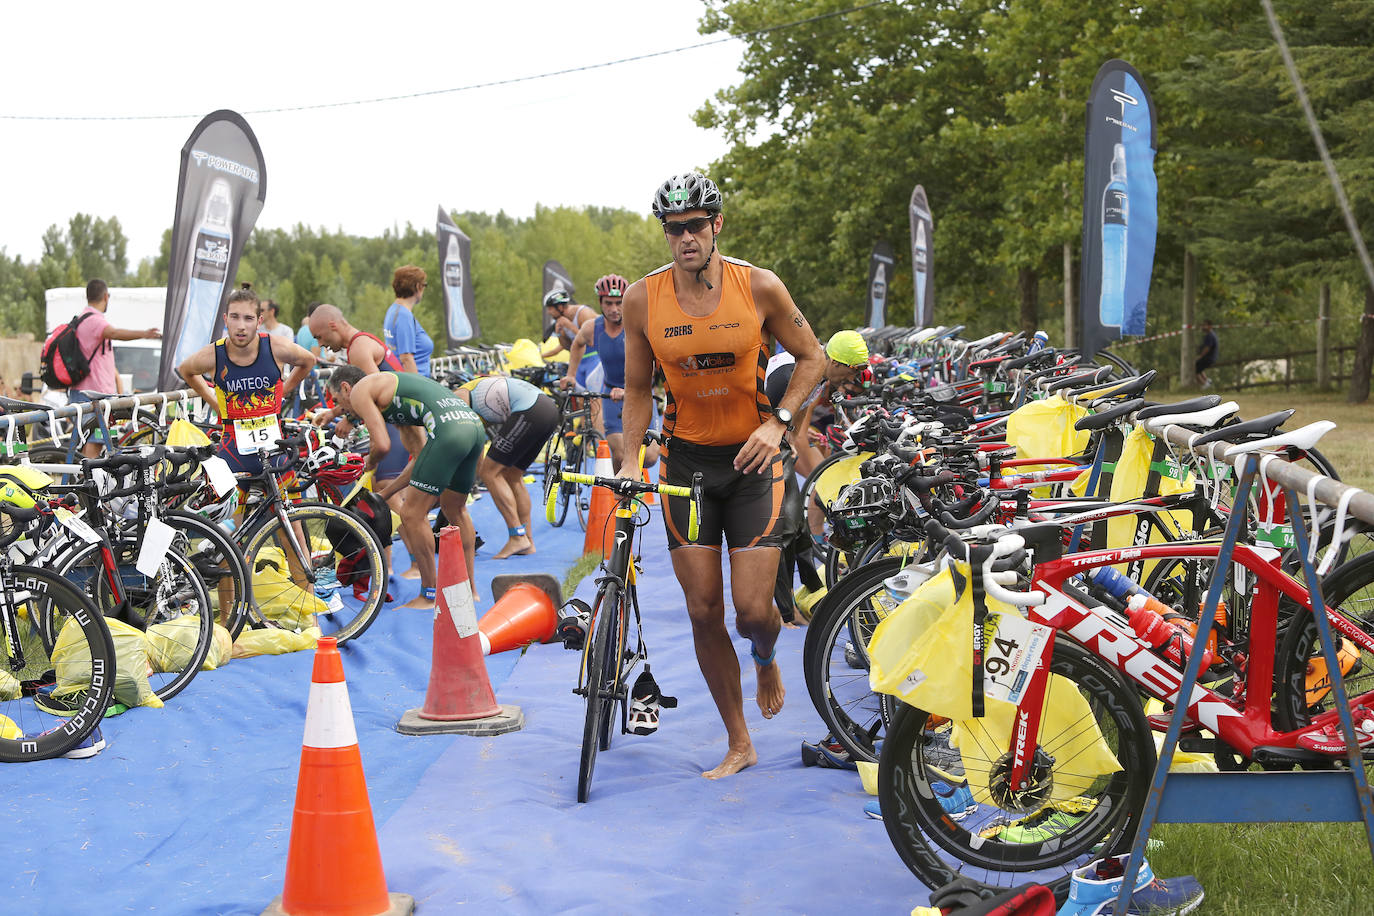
x: 348, y: 550
x: 49, y: 600
x: 1349, y: 591
x: 598, y: 667
x: 836, y: 671
x: 917, y: 756
x: 221, y: 566
x: 587, y: 462
x: 169, y: 599
x: 552, y: 464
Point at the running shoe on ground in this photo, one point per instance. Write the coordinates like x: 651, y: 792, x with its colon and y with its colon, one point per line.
x: 91, y: 745
x: 873, y: 809
x: 326, y: 582
x: 827, y: 754
x: 1096, y: 886
x: 1045, y: 824
x: 957, y: 800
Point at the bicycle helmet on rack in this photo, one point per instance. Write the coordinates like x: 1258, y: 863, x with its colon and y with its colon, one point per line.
x: 215, y: 508
x: 862, y: 511
x: 612, y: 285
x: 689, y: 191
x: 325, y: 456
x: 345, y: 471
x: 556, y: 298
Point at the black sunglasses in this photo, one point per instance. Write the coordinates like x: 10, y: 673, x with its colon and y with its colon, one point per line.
x: 692, y: 225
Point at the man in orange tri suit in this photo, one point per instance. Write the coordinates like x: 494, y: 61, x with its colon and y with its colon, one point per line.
x: 702, y: 317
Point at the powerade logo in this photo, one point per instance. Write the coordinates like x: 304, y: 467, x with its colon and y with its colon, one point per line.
x: 1123, y: 100
x: 213, y: 251
x: 220, y: 164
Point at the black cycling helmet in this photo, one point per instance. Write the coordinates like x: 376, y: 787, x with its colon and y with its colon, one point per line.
x: 556, y: 298
x: 862, y: 512
x: 690, y: 191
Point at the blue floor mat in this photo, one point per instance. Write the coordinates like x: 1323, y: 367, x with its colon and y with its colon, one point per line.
x: 189, y: 809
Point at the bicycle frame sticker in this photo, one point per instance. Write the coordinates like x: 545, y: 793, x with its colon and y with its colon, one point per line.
x: 76, y: 525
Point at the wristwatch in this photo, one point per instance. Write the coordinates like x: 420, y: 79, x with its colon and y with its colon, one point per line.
x: 785, y: 415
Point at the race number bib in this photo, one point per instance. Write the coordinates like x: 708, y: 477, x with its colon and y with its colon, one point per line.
x: 1012, y: 646
x: 256, y: 434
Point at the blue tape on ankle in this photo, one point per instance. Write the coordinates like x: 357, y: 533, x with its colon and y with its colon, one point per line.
x: 762, y: 662
x: 517, y: 532
x: 427, y: 593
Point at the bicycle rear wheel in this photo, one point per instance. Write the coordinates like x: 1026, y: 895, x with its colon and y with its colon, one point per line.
x: 552, y: 464
x: 950, y: 811
x: 600, y: 676
x: 340, y: 589
x: 586, y: 458
x: 171, y: 606
x: 56, y: 688
x: 220, y: 564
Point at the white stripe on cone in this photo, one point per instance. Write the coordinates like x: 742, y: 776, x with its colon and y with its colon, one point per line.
x: 329, y: 717
x: 458, y: 599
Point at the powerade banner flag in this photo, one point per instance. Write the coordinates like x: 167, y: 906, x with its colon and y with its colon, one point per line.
x: 220, y: 192
x: 1119, y: 216
x: 880, y: 264
x: 922, y: 258
x: 555, y: 277
x: 455, y: 254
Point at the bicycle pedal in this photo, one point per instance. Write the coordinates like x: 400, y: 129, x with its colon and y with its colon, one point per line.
x: 573, y: 623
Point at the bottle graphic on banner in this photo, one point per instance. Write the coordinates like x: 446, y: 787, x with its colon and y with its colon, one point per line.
x: 919, y: 256
x: 1115, y: 213
x: 209, y: 269
x: 458, y: 325
x: 879, y: 295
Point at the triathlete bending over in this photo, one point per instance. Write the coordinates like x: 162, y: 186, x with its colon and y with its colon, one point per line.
x: 702, y: 317
x: 445, y: 464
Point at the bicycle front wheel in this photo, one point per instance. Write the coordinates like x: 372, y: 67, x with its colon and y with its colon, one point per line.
x: 56, y: 687
x: 220, y: 565
x: 337, y: 582
x: 944, y: 787
x: 601, y: 678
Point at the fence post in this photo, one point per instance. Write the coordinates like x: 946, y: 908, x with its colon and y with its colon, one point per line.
x: 1324, y: 337
x: 1187, y: 354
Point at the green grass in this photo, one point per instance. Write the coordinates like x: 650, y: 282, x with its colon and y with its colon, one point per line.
x: 578, y: 571
x: 1347, y: 446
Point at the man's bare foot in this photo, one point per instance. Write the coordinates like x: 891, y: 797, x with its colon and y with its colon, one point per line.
x: 771, y: 691
x: 420, y: 604
x: 791, y: 625
x: 735, y: 760
x: 516, y: 546
x: 412, y: 573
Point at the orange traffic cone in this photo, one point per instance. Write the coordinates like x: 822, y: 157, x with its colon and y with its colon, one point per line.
x: 599, y: 533
x: 524, y: 612
x: 332, y: 832
x: 459, y: 699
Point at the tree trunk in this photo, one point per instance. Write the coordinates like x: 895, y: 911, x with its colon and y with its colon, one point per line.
x: 1324, y: 337
x: 1187, y: 350
x: 1028, y: 284
x: 1364, y: 355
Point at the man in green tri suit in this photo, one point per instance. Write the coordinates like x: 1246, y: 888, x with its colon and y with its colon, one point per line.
x: 446, y: 437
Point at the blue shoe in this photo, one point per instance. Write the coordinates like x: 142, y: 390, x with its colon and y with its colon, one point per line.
x: 91, y: 745
x: 1095, y: 887
x: 327, y: 582
x: 956, y: 800
x: 873, y: 809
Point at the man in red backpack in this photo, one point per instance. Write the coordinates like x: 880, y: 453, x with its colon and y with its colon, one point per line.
x: 94, y: 333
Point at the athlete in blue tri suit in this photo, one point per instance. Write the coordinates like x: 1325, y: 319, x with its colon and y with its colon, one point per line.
x: 569, y: 319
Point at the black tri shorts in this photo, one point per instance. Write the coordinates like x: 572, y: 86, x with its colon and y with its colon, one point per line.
x: 516, y: 442
x: 740, y: 510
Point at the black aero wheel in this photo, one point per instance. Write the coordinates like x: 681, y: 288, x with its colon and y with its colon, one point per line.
x: 57, y: 688
x: 599, y: 680
x: 950, y: 812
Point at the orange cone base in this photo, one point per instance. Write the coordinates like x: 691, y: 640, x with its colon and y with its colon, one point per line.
x: 401, y: 905
x: 509, y: 719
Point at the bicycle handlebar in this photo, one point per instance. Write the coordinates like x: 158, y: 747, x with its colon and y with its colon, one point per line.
x: 625, y: 487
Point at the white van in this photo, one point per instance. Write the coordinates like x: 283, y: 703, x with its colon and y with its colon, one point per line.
x: 134, y: 307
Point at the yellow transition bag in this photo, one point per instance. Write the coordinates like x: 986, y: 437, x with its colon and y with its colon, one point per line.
x: 72, y: 661
x: 271, y: 641
x: 838, y: 476
x: 1044, y: 429
x: 281, y: 600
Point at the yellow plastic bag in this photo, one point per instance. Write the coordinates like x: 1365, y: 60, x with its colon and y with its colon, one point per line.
x: 9, y: 686
x: 524, y: 354
x: 72, y: 661
x: 1183, y: 762
x: 221, y: 649
x: 1044, y: 429
x: 183, y: 434
x: 10, y: 730
x: 1080, y: 753
x: 279, y: 599
x: 35, y: 657
x: 838, y: 476
x: 171, y: 642
x: 270, y: 641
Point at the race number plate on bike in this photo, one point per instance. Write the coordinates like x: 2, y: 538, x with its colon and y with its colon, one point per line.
x: 75, y: 525
x: 1012, y: 646
x: 255, y: 434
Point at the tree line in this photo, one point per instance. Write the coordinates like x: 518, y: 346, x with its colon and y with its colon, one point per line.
x: 981, y: 101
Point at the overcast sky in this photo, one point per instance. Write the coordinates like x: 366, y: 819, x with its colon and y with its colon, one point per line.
x: 605, y: 137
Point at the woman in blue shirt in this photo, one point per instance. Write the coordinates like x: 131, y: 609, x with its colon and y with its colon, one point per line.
x: 402, y: 329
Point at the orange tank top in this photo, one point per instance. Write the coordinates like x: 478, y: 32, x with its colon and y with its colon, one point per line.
x: 714, y: 365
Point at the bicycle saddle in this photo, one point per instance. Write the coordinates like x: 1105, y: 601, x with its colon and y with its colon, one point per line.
x: 1092, y: 377
x: 1247, y: 429
x: 1207, y: 418
x: 10, y: 405
x: 1206, y: 402
x: 1304, y: 437
x: 1104, y: 418
x: 1126, y: 388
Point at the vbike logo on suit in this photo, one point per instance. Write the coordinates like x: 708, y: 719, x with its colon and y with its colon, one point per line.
x: 706, y: 362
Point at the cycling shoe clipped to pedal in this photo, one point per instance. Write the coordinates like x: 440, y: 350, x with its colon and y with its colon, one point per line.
x: 646, y: 700
x: 827, y: 754
x: 574, y: 622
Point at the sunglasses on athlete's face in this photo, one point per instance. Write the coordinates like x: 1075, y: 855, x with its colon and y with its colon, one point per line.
x: 692, y: 225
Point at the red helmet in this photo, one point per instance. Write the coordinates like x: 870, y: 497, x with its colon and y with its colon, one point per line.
x: 341, y: 475
x: 612, y: 285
